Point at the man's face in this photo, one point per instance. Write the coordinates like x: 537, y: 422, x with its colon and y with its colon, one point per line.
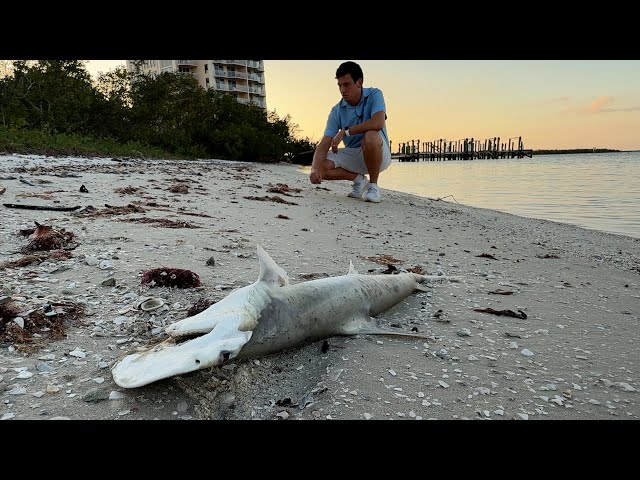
x: 349, y: 89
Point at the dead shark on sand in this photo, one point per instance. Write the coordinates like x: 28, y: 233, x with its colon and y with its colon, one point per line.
x: 271, y: 315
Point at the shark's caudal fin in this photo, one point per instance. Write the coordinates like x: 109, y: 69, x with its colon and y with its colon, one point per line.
x: 270, y: 272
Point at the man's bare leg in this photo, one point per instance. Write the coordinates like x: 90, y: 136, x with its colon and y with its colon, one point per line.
x: 372, y: 154
x: 331, y: 172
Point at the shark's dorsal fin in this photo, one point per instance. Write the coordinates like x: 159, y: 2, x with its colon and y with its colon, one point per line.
x: 352, y: 270
x: 270, y: 272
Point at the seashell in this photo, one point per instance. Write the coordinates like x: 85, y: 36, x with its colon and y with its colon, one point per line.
x: 150, y: 303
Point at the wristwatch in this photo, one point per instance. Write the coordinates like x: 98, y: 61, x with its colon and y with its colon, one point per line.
x: 346, y: 132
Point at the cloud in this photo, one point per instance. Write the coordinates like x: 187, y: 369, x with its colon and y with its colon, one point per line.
x: 630, y: 109
x: 598, y: 103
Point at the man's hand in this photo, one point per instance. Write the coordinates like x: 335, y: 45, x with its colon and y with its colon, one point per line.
x: 336, y: 141
x: 315, y: 177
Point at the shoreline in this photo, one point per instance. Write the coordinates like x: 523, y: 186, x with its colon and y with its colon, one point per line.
x: 579, y: 288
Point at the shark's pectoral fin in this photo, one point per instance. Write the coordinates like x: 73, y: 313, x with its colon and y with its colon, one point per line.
x: 363, y: 324
x: 168, y: 359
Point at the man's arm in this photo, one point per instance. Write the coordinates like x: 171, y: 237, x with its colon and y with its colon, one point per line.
x: 319, y: 156
x: 376, y: 122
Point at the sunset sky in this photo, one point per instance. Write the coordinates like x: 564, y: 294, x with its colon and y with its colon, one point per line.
x: 552, y: 104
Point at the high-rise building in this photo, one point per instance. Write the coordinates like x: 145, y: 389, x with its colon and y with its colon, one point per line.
x: 244, y: 79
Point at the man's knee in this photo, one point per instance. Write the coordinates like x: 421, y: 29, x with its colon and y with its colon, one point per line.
x: 372, y: 139
x: 327, y: 165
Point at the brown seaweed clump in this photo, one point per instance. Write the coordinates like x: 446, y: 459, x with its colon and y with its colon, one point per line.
x: 44, y: 237
x: 48, y: 321
x: 170, y: 277
x: 22, y: 262
x: 179, y: 189
x: 200, y: 306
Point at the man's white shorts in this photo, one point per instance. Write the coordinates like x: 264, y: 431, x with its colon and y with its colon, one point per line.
x: 351, y: 159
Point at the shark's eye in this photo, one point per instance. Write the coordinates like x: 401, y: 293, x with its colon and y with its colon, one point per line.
x: 197, y: 362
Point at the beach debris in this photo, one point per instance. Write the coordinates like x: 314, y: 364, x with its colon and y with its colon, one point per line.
x: 128, y: 190
x: 160, y: 222
x: 487, y: 255
x: 26, y: 182
x: 182, y: 211
x: 41, y: 207
x: 548, y: 255
x: 383, y: 259
x: 170, y: 277
x: 273, y: 198
x: 499, y: 291
x: 149, y: 304
x: 511, y: 335
x: 44, y: 237
x: 49, y: 319
x: 200, y: 306
x: 23, y: 261
x: 283, y: 189
x: 508, y: 313
x: 91, y: 211
x: 284, y: 217
x: 2, y: 190
x: 211, y: 262
x: 313, y: 275
x: 83, y: 189
x: 179, y: 189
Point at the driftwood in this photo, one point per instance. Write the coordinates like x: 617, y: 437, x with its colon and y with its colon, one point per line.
x: 41, y: 207
x: 508, y: 313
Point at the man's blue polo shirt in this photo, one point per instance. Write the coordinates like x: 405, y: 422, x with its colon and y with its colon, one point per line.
x: 343, y: 114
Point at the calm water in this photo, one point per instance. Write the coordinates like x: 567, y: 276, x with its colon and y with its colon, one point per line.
x: 595, y: 191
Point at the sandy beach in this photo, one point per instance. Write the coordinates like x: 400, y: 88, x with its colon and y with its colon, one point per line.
x: 574, y: 356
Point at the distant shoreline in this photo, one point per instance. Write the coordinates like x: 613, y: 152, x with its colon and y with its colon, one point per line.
x: 575, y: 150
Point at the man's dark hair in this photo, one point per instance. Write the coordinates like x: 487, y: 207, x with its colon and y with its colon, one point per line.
x: 350, y: 68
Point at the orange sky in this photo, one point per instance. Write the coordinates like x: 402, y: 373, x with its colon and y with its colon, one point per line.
x: 550, y: 103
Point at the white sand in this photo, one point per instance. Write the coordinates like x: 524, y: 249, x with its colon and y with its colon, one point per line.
x: 582, y: 307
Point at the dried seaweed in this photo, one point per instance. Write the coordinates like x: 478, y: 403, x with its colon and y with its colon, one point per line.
x: 283, y: 189
x: 273, y: 198
x: 128, y: 190
x: 179, y: 189
x: 170, y: 277
x: 48, y: 322
x: 200, y: 306
x: 383, y: 259
x: 487, y: 255
x: 45, y: 237
x: 161, y: 222
x: 22, y: 262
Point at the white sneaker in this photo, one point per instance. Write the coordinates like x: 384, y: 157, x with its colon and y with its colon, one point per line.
x: 373, y: 194
x: 359, y: 186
